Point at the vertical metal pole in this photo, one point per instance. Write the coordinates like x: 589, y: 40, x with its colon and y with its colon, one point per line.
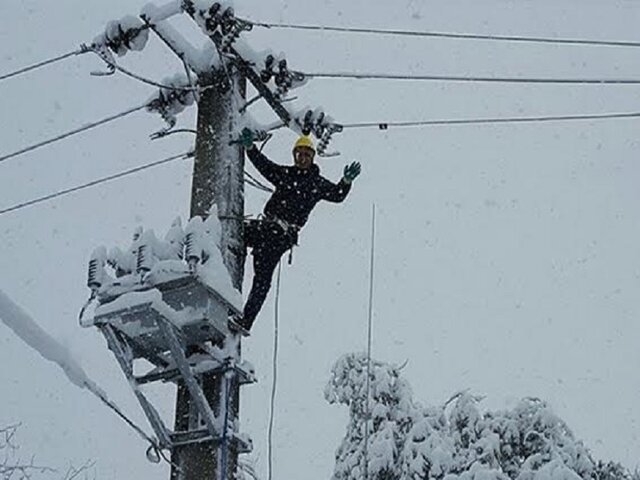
x: 367, y: 415
x: 218, y: 179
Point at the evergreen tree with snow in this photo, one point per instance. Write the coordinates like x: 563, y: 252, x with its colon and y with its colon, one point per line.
x: 456, y: 441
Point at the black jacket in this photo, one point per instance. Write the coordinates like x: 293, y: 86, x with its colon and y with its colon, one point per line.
x: 298, y: 190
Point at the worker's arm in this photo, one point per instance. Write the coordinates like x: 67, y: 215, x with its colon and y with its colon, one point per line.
x: 273, y: 172
x: 333, y: 192
x: 337, y: 193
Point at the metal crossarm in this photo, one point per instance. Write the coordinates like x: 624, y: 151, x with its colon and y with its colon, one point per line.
x: 125, y: 359
x: 197, y: 395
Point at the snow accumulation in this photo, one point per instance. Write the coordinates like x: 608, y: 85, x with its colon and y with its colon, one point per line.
x: 154, y: 13
x: 456, y: 441
x: 199, y: 60
x: 25, y: 327
x: 121, y: 36
x: 150, y: 261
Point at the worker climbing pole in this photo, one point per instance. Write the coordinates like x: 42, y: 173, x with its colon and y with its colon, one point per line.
x: 298, y: 188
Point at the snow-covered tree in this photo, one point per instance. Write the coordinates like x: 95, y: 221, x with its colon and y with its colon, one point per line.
x: 456, y: 441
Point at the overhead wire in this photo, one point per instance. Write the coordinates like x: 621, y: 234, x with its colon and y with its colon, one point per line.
x: 70, y: 133
x: 470, y: 121
x: 95, y: 182
x: 459, y: 36
x: 469, y: 78
x: 99, y: 181
x: 44, y: 63
x: 113, y: 65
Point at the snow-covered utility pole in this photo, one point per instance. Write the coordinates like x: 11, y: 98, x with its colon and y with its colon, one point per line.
x: 218, y: 179
x: 167, y: 302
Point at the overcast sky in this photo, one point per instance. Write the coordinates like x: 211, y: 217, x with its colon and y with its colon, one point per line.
x: 507, y: 259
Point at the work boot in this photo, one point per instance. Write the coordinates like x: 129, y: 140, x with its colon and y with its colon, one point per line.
x: 238, y: 324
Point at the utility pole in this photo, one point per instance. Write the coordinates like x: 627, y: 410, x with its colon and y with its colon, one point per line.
x: 205, y: 443
x: 218, y: 179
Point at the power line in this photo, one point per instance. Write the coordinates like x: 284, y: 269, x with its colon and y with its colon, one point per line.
x: 95, y: 182
x: 113, y: 66
x: 44, y: 63
x: 470, y: 121
x: 72, y: 132
x: 460, y: 36
x: 454, y: 78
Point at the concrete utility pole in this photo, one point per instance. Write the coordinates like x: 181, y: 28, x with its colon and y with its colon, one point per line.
x: 218, y: 179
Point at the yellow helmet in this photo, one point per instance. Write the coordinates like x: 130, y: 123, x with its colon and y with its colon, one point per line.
x: 304, y: 142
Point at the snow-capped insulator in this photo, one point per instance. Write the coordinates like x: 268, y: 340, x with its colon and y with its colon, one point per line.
x: 121, y: 36
x: 175, y: 238
x: 144, y: 259
x: 307, y: 122
x: 96, y: 272
x: 118, y: 261
x: 171, y: 101
x: 193, y: 242
x: 227, y: 21
x: 212, y: 18
x: 267, y: 72
x: 313, y: 121
x: 326, y: 137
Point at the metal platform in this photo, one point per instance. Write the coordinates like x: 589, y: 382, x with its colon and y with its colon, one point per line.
x: 181, y: 328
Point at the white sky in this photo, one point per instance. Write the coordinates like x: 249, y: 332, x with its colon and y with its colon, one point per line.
x: 506, y: 262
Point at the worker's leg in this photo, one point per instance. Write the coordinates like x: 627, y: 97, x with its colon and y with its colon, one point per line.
x: 265, y: 260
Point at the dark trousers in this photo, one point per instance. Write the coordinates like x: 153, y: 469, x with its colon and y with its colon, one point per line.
x: 269, y: 242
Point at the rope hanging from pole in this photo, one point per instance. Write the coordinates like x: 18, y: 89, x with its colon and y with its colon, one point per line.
x: 274, y: 373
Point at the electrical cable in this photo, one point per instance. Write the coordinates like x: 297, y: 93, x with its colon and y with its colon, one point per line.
x: 95, y: 182
x: 470, y: 121
x: 44, y: 63
x: 461, y: 78
x: 369, y: 338
x: 460, y: 36
x: 274, y: 375
x: 136, y: 76
x: 72, y: 132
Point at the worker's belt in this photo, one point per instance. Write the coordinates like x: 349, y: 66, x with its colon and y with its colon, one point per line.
x: 286, y: 226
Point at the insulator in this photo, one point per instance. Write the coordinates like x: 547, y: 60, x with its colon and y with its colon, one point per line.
x: 116, y: 260
x: 144, y: 260
x: 306, y: 122
x: 96, y: 273
x: 267, y: 71
x: 212, y: 20
x: 175, y: 238
x: 214, y: 9
x: 324, y: 141
x: 227, y: 22
x: 193, y: 247
x: 231, y: 37
x: 189, y: 7
x: 192, y: 252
